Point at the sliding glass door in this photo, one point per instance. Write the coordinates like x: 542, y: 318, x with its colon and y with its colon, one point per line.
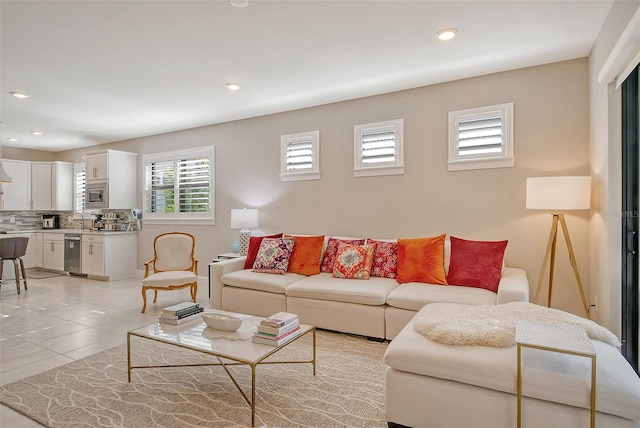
x: 630, y: 206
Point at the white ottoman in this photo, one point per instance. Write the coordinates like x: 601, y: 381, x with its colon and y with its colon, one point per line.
x: 429, y: 384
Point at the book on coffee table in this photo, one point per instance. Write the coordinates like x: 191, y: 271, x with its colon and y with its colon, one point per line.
x: 181, y: 308
x: 276, y: 341
x: 279, y: 319
x: 183, y: 320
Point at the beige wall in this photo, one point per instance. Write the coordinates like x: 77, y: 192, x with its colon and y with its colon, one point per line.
x: 606, y: 169
x: 551, y: 138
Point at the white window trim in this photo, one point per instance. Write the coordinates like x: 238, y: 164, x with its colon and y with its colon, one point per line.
x: 207, y: 218
x: 314, y: 173
x: 504, y: 159
x: 395, y: 168
x: 78, y: 168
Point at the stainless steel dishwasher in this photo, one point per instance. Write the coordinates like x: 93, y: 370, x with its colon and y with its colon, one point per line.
x: 73, y: 253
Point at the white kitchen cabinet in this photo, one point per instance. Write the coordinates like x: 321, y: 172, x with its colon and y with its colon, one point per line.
x: 17, y: 194
x: 41, y: 185
x: 93, y: 262
x: 53, y: 251
x: 119, y: 169
x: 97, y: 166
x: 52, y: 186
x: 39, y: 246
x: 109, y: 256
x: 62, y: 186
x: 30, y: 257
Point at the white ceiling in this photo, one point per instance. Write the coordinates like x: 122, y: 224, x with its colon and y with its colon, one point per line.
x: 104, y: 71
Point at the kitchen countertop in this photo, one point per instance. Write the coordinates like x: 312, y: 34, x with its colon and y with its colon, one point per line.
x: 80, y: 231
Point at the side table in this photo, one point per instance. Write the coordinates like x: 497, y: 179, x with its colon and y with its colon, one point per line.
x: 555, y: 337
x: 221, y: 257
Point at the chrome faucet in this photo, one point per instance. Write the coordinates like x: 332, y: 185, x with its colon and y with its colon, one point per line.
x: 82, y: 218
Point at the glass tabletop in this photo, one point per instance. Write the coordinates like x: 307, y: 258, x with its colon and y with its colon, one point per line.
x: 234, y: 345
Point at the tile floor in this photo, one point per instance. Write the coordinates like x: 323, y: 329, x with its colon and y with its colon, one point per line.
x: 65, y: 318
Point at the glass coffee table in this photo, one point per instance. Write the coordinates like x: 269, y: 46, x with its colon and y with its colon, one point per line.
x: 228, y: 348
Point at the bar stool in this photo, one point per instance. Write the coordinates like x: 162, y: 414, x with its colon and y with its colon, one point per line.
x: 14, y: 249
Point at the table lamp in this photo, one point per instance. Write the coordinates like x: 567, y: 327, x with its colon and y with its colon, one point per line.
x: 559, y: 194
x: 244, y: 219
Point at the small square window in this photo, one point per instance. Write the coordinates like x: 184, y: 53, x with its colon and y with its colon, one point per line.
x: 300, y: 156
x: 378, y: 148
x: 481, y: 138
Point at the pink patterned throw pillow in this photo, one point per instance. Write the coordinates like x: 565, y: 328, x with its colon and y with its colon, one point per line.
x: 330, y: 252
x: 273, y: 255
x: 353, y: 261
x: 385, y: 259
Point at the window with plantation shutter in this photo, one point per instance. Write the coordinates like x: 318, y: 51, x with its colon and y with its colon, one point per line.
x: 378, y: 148
x: 300, y: 156
x: 79, y: 183
x: 481, y: 138
x: 179, y: 186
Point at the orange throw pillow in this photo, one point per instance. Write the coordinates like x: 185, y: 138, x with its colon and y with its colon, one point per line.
x: 307, y: 254
x: 421, y: 260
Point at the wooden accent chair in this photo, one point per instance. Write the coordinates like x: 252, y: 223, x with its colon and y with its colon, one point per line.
x: 174, y: 265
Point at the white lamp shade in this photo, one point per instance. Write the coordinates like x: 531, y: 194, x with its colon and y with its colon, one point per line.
x: 559, y: 193
x: 244, y: 218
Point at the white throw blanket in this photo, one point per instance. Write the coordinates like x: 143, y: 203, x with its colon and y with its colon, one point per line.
x: 495, y: 325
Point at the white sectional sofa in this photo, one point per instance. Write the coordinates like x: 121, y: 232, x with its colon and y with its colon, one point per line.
x: 430, y: 384
x: 377, y: 307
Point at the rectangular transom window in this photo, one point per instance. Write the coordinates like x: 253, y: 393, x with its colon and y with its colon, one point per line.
x: 378, y: 148
x: 300, y: 156
x: 179, y: 186
x: 481, y: 138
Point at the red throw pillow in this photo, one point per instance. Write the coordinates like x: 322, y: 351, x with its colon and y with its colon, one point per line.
x: 421, y: 260
x: 385, y: 259
x: 330, y: 252
x: 254, y: 246
x: 476, y: 263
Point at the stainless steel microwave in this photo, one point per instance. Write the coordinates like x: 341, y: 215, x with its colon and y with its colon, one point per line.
x: 97, y: 195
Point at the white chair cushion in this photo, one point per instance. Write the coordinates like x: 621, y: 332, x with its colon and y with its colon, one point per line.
x: 173, y: 252
x: 165, y: 279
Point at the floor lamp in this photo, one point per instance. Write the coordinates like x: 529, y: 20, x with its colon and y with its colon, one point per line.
x: 558, y: 194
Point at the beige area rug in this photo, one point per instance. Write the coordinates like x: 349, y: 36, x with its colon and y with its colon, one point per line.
x: 347, y: 391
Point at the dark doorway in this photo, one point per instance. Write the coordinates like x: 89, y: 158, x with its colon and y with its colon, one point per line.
x: 630, y: 211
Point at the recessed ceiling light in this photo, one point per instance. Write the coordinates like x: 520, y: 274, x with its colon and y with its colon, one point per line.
x: 37, y: 132
x: 21, y: 95
x: 447, y: 33
x: 233, y: 86
x: 13, y: 140
x: 239, y: 3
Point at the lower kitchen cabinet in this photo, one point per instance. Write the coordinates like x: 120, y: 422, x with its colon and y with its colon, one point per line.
x: 53, y: 251
x: 39, y: 243
x: 109, y: 256
x: 93, y: 255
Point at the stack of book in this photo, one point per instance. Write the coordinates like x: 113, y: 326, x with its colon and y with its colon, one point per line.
x: 181, y: 313
x: 277, y: 329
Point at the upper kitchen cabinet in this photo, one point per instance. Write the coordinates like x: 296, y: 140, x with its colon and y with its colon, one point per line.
x: 111, y: 179
x: 17, y: 194
x: 52, y: 186
x: 97, y: 165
